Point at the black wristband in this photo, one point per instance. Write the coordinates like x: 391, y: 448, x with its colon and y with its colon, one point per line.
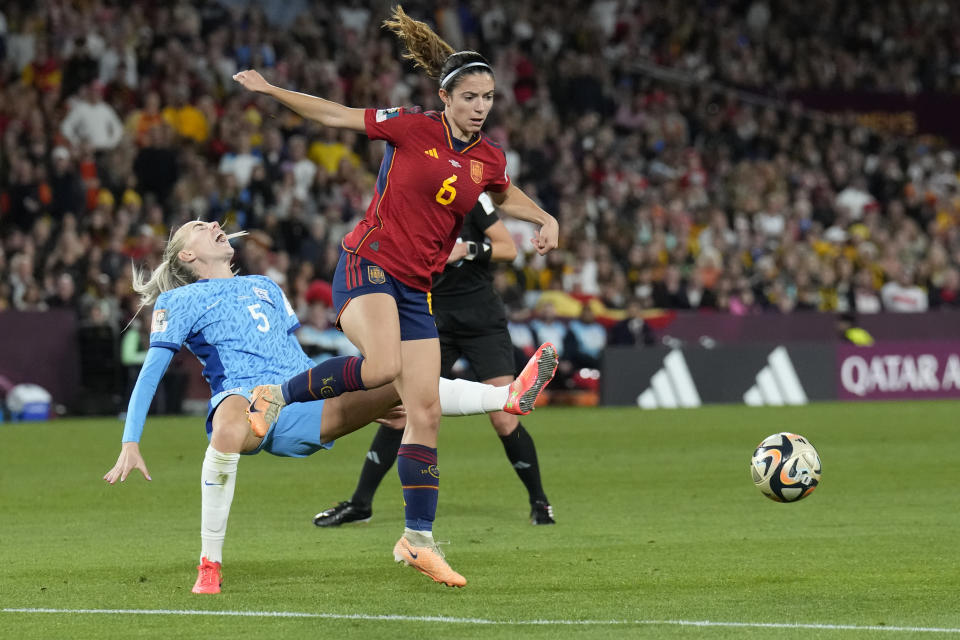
x: 484, y: 254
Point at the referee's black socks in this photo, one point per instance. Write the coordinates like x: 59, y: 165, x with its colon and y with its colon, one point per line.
x: 522, y: 454
x: 380, y: 457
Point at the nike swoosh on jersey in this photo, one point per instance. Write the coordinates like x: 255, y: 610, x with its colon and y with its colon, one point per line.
x: 211, y: 306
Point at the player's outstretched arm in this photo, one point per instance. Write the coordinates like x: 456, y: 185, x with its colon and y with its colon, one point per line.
x: 327, y: 113
x: 516, y: 204
x: 154, y: 366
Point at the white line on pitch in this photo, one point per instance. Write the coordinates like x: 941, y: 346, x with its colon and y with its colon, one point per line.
x: 485, y: 621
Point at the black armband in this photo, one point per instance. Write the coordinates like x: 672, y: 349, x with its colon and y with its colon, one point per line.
x: 486, y: 252
x: 479, y: 252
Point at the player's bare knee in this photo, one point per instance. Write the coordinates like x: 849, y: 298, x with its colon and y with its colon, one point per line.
x: 380, y: 370
x: 231, y: 436
x: 426, y: 415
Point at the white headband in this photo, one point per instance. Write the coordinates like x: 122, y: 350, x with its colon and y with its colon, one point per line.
x: 447, y: 77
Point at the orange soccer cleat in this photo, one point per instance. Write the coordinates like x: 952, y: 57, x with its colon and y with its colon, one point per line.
x: 209, y: 578
x: 429, y: 561
x: 538, y: 372
x: 264, y: 408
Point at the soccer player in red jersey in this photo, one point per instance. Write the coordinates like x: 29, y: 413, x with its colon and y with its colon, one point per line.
x: 435, y: 166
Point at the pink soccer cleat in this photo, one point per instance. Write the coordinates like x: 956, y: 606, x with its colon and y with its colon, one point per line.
x: 209, y: 577
x: 538, y: 372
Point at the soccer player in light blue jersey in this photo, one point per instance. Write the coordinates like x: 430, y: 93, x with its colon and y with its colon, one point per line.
x: 240, y: 328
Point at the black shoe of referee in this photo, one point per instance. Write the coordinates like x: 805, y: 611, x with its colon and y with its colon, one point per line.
x: 342, y: 514
x: 540, y: 513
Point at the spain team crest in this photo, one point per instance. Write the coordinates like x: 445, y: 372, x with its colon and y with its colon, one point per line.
x: 476, y: 171
x: 376, y: 275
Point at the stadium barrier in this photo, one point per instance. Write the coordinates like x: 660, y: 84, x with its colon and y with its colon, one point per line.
x: 711, y: 358
x: 777, y: 374
x: 786, y: 360
x: 41, y: 348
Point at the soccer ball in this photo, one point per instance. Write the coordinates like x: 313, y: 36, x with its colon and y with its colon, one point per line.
x: 785, y: 467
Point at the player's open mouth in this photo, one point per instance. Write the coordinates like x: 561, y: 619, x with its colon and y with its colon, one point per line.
x: 221, y: 237
x: 476, y: 121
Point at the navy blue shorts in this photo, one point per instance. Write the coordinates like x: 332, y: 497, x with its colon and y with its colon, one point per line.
x: 356, y: 276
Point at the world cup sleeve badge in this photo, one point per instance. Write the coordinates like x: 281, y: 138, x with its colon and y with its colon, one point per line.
x: 476, y: 171
x: 386, y: 114
x: 159, y: 324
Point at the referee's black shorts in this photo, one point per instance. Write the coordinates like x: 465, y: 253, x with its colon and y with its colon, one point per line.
x: 479, y: 334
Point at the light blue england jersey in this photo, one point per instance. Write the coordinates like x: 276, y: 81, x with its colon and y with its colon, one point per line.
x: 239, y: 328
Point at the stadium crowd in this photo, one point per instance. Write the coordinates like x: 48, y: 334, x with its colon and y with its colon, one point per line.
x: 120, y: 121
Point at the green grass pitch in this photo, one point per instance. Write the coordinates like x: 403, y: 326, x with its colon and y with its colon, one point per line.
x: 658, y: 520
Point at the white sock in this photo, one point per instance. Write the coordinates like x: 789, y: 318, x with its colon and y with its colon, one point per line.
x: 418, y: 538
x: 217, y: 480
x: 463, y: 397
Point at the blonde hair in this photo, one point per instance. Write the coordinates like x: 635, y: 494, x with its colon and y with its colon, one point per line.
x: 170, y: 273
x: 427, y: 50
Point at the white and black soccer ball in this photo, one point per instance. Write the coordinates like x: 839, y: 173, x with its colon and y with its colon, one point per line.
x: 785, y: 467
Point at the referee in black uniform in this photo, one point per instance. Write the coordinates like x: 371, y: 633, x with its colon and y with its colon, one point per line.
x: 472, y: 324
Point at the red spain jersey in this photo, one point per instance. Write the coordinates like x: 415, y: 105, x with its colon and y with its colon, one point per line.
x: 428, y: 182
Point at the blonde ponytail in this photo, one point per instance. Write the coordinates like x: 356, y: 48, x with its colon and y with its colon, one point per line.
x: 170, y: 274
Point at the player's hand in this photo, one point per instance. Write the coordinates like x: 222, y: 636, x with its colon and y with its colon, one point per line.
x: 252, y: 80
x: 128, y: 460
x: 459, y: 253
x: 548, y: 237
x: 395, y: 418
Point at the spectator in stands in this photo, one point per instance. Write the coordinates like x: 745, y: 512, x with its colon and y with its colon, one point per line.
x: 585, y: 340
x: 67, y: 193
x: 670, y: 293
x: 92, y: 121
x: 156, y: 164
x: 187, y: 120
x: 65, y: 296
x: 240, y: 162
x: 903, y: 294
x: 303, y: 170
x: 946, y: 295
x: 23, y: 196
x: 547, y: 327
x: 320, y: 339
x: 632, y: 330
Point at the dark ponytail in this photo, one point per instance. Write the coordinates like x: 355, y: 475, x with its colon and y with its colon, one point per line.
x: 431, y: 53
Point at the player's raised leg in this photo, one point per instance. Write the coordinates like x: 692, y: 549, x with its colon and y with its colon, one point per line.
x: 372, y: 324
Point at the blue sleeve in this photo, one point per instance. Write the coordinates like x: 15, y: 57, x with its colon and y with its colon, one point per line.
x: 174, y: 314
x: 158, y: 358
